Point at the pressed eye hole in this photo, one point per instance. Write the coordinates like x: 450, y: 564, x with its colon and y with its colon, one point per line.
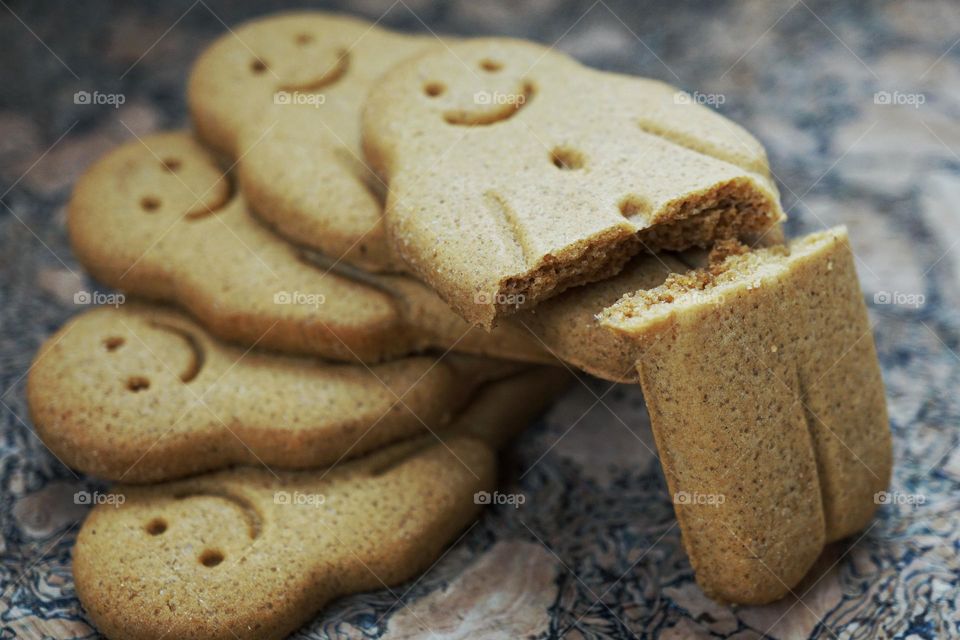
x: 304, y: 38
x: 566, y: 159
x: 211, y: 558
x: 490, y: 66
x: 113, y: 343
x: 258, y: 66
x: 150, y: 203
x: 434, y: 89
x: 171, y: 164
x: 632, y: 206
x: 156, y: 526
x: 138, y: 383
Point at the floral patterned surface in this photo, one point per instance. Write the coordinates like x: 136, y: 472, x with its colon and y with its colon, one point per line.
x: 859, y: 106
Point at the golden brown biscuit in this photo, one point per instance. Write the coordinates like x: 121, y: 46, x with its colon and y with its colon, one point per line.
x: 281, y: 97
x: 514, y: 172
x: 768, y: 408
x: 142, y: 393
x: 248, y: 554
x: 156, y: 218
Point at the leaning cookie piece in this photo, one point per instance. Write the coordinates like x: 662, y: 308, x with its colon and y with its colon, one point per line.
x: 247, y: 553
x: 157, y: 218
x: 768, y: 408
x: 281, y: 97
x: 143, y: 394
x: 515, y: 173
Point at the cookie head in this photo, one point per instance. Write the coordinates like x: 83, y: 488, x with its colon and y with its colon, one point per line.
x: 135, y: 362
x: 168, y: 180
x: 473, y: 85
x: 267, y: 62
x: 192, y: 564
x: 146, y: 371
x: 133, y: 201
x: 488, y: 84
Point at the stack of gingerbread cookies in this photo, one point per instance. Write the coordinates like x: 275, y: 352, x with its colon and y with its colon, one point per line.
x: 374, y: 259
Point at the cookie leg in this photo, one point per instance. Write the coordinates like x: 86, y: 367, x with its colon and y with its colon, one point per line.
x: 841, y: 386
x: 736, y: 450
